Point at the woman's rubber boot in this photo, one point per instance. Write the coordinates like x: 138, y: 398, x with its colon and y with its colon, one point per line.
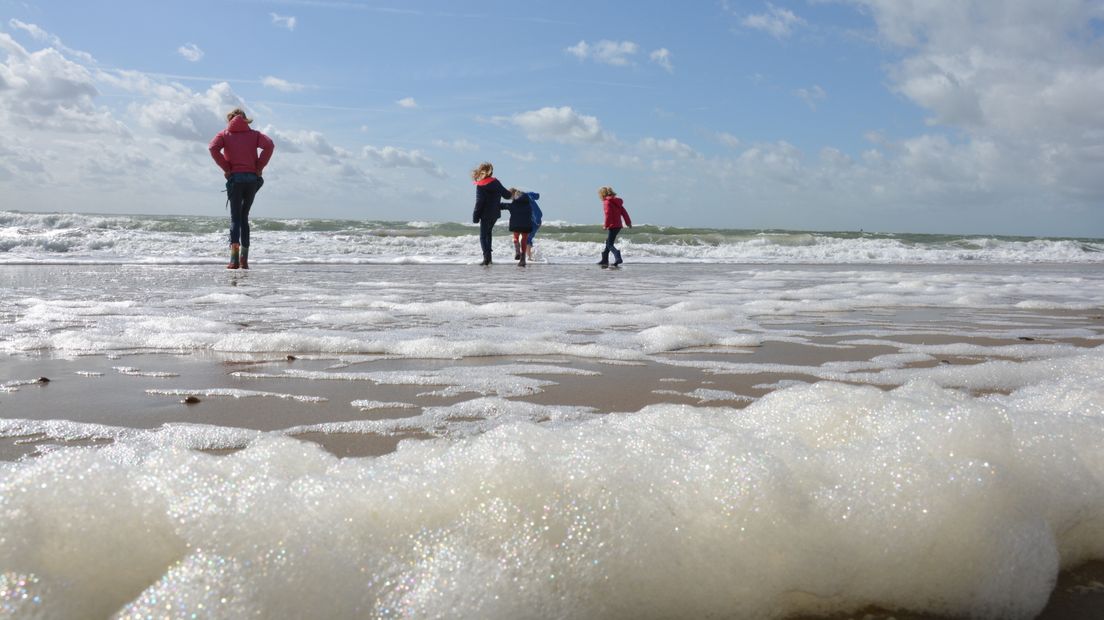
x: 517, y: 250
x: 244, y: 257
x: 616, y: 258
x: 486, y: 259
x: 605, y: 260
x: 234, y: 262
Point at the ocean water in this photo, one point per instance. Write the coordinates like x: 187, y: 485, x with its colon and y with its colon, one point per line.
x: 955, y: 470
x: 36, y: 238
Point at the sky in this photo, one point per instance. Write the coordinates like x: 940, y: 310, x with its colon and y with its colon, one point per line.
x: 929, y: 116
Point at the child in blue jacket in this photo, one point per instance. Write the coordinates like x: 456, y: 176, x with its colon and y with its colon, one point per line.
x: 521, y: 222
x: 537, y: 216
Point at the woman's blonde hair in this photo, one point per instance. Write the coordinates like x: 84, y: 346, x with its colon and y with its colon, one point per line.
x: 606, y: 192
x: 237, y: 112
x: 482, y: 171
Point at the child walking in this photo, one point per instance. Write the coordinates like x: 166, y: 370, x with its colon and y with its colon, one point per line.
x: 537, y: 217
x: 521, y: 223
x: 489, y: 193
x: 234, y: 149
x: 614, y: 209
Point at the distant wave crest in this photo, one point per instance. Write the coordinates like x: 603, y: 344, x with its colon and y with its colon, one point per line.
x: 27, y: 238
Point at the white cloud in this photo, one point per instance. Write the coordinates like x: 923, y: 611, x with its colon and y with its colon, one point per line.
x: 42, y: 36
x: 303, y: 141
x: 190, y: 52
x: 614, y: 53
x: 662, y: 57
x: 180, y: 113
x: 612, y: 159
x: 462, y: 146
x: 558, y: 125
x: 281, y: 85
x: 45, y: 89
x: 391, y: 157
x: 728, y: 139
x: 522, y: 157
x: 669, y: 146
x: 407, y: 102
x: 283, y: 21
x: 811, y: 96
x: 780, y: 161
x: 32, y: 29
x: 777, y: 22
x: 1019, y: 74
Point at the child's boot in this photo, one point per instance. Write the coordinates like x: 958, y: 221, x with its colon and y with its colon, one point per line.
x: 616, y: 258
x: 517, y: 250
x: 486, y: 259
x: 234, y: 261
x: 605, y: 259
x: 244, y: 257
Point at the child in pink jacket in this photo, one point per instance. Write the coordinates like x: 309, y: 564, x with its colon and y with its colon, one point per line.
x: 614, y: 209
x: 234, y: 149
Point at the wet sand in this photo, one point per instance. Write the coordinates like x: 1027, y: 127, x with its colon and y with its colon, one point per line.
x: 121, y: 390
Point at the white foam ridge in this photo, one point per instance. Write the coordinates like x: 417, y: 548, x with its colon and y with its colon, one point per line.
x: 501, y: 379
x: 369, y: 405
x: 815, y: 499
x: 235, y: 393
x: 456, y: 312
x: 68, y: 238
x: 706, y: 395
x: 184, y: 436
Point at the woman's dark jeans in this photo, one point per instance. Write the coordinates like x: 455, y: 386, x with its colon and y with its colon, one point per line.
x: 486, y: 225
x: 241, y: 188
x: 611, y: 236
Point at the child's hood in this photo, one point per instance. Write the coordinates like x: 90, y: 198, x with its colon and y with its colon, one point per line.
x: 238, y: 125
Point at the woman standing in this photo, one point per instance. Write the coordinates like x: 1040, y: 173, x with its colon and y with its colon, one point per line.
x: 234, y: 149
x: 489, y: 193
x: 614, y: 209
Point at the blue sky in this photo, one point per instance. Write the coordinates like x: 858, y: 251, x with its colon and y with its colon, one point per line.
x: 956, y: 116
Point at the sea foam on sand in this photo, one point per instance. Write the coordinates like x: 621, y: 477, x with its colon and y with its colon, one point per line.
x: 815, y: 498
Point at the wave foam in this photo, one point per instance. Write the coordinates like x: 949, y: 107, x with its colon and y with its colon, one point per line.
x: 816, y: 499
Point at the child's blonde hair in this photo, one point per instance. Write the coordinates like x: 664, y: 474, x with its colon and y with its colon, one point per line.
x: 606, y: 192
x: 515, y: 192
x: 482, y: 171
x: 237, y: 112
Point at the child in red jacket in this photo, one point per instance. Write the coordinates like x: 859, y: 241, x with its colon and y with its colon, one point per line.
x: 234, y: 149
x: 614, y: 209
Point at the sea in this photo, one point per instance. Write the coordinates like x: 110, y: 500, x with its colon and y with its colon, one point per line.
x: 732, y: 424
x: 67, y: 238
